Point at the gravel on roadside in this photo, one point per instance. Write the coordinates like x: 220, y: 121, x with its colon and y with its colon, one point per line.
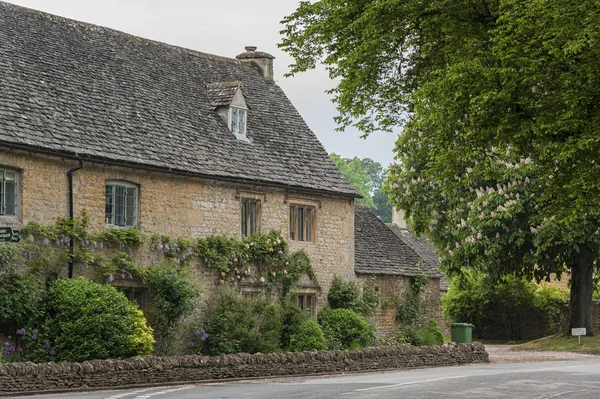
x: 503, y: 354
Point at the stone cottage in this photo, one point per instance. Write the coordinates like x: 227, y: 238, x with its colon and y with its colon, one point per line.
x: 169, y: 140
x: 387, y: 257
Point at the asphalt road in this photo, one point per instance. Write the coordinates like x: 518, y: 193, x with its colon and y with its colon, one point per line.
x: 564, y: 380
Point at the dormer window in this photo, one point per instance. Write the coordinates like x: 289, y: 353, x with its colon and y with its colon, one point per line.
x: 237, y: 120
x: 228, y: 101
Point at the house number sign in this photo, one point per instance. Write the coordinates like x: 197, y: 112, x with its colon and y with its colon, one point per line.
x: 7, y: 234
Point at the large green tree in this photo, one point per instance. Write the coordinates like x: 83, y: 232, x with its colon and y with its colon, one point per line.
x: 367, y: 177
x: 485, y: 84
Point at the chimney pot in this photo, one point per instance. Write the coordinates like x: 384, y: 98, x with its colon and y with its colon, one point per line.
x: 250, y: 48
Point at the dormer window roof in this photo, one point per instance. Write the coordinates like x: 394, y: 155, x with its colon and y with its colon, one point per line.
x: 230, y: 104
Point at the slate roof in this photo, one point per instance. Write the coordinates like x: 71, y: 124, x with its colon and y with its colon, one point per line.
x: 378, y: 250
x: 77, y: 89
x: 221, y: 94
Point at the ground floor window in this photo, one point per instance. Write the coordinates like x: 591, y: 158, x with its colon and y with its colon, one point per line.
x: 307, y: 302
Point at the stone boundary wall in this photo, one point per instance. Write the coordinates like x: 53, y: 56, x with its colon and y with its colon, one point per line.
x: 31, y: 377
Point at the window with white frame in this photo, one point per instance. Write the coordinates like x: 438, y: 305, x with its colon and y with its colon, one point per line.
x: 121, y: 204
x: 9, y: 192
x: 237, y: 120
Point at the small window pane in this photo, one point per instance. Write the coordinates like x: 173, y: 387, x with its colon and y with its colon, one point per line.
x: 308, y: 224
x: 301, y: 301
x: 244, y: 218
x: 120, y: 205
x: 109, y: 204
x: 130, y: 207
x: 252, y: 209
x: 234, y: 118
x: 292, y: 223
x: 309, y: 303
x: 242, y: 122
x: 300, y: 224
x: 10, y: 193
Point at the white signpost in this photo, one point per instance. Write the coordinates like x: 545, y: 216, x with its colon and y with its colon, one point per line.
x: 578, y: 332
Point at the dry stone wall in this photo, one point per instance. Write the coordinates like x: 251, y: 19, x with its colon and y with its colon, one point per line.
x: 30, y: 377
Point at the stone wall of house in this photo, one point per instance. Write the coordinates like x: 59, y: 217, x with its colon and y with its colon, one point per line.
x: 390, y: 286
x: 180, y: 206
x: 29, y: 377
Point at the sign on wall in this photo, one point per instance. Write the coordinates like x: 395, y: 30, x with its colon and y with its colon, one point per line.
x: 7, y: 234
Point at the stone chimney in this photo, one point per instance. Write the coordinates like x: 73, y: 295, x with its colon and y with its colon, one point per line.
x: 263, y: 61
x: 398, y: 218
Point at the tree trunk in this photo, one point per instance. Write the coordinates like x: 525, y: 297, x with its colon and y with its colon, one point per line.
x: 582, y: 286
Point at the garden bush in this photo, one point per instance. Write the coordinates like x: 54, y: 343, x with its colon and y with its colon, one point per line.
x: 229, y: 324
x: 345, y: 329
x: 88, y: 321
x: 431, y: 334
x: 508, y: 308
x: 171, y: 292
x: 351, y: 295
x: 291, y: 319
x: 309, y: 337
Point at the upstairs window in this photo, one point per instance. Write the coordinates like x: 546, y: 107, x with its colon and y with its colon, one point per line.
x: 237, y: 120
x: 250, y: 217
x: 9, y: 192
x: 121, y: 204
x: 301, y: 222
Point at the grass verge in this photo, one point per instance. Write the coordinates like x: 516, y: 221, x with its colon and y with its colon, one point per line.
x: 560, y: 342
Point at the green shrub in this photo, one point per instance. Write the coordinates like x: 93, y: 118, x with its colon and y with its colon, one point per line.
x: 232, y: 324
x: 309, y: 336
x: 431, y: 334
x: 88, y: 321
x: 170, y: 299
x: 345, y: 329
x: 350, y: 295
x: 508, y: 308
x: 553, y: 303
x: 291, y: 319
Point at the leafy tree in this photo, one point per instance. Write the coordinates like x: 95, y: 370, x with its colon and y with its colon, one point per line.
x: 367, y: 177
x: 502, y: 98
x: 353, y: 170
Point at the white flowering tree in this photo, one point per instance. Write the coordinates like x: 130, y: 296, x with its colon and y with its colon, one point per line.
x: 518, y: 75
x: 487, y: 210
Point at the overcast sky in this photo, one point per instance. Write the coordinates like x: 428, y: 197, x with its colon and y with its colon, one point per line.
x: 225, y: 28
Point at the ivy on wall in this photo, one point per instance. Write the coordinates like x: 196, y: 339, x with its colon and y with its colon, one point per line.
x: 263, y: 259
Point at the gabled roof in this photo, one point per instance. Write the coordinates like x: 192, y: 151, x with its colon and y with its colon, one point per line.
x: 221, y: 94
x: 420, y: 245
x: 75, y: 89
x: 378, y: 250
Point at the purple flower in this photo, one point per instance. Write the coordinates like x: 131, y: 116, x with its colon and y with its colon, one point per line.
x: 45, y: 241
x: 52, y: 353
x: 19, y: 349
x: 12, y: 349
x: 34, y: 337
x: 191, y: 344
x: 21, y: 331
x: 203, y: 337
x: 46, y: 346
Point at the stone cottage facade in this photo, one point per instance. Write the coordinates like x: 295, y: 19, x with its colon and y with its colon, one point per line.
x: 143, y: 134
x: 384, y: 259
x: 169, y: 140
